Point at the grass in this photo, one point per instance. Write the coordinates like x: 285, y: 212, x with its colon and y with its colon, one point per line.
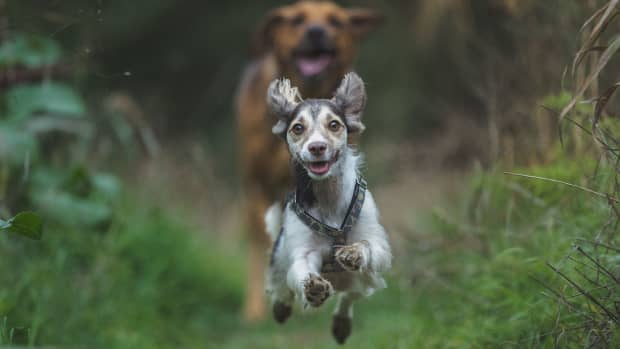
x: 143, y: 282
x: 470, y: 277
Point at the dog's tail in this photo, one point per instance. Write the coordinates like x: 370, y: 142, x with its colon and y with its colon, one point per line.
x: 273, y: 220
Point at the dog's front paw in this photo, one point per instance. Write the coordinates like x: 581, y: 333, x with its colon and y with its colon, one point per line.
x: 352, y: 257
x: 316, y: 290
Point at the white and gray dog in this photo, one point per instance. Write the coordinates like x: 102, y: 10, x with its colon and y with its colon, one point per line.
x: 328, y: 237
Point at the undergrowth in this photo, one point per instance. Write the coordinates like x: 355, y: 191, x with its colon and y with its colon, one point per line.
x: 146, y: 281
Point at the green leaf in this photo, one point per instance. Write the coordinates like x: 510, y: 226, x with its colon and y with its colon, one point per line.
x: 31, y: 51
x: 16, y: 145
x: 71, y: 210
x: 53, y: 98
x: 27, y: 224
x: 74, y: 197
x: 79, y: 182
x: 107, y: 186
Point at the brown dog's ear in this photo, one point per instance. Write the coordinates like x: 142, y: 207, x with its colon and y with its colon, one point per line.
x: 262, y: 40
x: 282, y: 99
x: 351, y: 98
x: 363, y: 21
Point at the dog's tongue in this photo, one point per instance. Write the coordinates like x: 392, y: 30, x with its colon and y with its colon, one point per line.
x: 314, y: 65
x: 319, y: 167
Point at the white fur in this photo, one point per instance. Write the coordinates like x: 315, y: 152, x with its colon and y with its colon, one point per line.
x: 301, y: 251
x: 273, y: 220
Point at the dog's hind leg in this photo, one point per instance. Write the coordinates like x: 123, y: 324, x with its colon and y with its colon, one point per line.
x: 281, y: 296
x: 282, y: 306
x: 342, y: 322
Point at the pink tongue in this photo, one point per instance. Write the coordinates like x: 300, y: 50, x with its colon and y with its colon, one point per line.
x: 313, y: 66
x: 319, y: 167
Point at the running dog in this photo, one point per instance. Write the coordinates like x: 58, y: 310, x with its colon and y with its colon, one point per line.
x: 328, y: 237
x: 312, y: 43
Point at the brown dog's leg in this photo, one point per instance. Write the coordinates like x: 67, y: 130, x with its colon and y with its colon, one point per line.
x: 254, y: 308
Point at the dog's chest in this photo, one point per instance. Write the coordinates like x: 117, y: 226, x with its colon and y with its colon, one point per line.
x: 341, y: 281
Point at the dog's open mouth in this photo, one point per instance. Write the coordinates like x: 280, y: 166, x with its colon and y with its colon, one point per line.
x: 320, y: 168
x: 314, y: 62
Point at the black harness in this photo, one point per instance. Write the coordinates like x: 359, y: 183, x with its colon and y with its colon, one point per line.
x: 338, y: 235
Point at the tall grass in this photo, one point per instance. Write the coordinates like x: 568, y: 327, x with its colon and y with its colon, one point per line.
x: 146, y: 281
x: 590, y: 305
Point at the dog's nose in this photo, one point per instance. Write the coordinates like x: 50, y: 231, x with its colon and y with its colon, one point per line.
x: 317, y: 148
x: 316, y: 33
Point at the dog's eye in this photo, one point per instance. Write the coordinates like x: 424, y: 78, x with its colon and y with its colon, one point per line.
x: 335, y: 22
x: 298, y: 20
x: 334, y: 126
x: 297, y: 129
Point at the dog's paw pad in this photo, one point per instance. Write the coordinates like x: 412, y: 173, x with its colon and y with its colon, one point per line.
x: 350, y: 257
x: 281, y: 312
x: 317, y: 290
x: 341, y: 328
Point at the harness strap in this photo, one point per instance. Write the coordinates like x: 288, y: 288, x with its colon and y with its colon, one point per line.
x: 338, y: 235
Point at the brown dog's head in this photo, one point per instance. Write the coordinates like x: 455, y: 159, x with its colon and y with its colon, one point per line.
x: 314, y: 42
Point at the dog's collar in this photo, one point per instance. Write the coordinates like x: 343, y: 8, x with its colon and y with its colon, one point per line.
x: 338, y: 234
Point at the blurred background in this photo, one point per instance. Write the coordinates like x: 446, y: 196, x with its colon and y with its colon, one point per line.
x: 117, y: 126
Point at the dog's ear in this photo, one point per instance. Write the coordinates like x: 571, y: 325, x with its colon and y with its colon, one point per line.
x: 262, y: 39
x: 350, y: 97
x: 364, y: 21
x: 282, y: 99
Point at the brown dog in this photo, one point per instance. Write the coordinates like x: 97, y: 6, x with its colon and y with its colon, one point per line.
x: 312, y: 43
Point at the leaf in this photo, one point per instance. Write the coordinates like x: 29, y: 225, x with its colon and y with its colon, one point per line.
x: 53, y: 98
x: 71, y: 210
x: 27, y: 224
x: 72, y: 197
x: 31, y: 51
x: 107, y: 186
x: 602, y: 62
x: 610, y: 12
x: 602, y: 102
x: 79, y: 182
x: 604, y: 20
x: 583, y: 53
x: 16, y: 145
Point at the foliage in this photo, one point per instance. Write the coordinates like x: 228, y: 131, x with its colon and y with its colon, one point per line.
x: 145, y: 281
x: 75, y: 197
x: 27, y: 224
x: 588, y: 299
x: 44, y: 129
x: 31, y: 51
x: 473, y: 281
x: 24, y: 100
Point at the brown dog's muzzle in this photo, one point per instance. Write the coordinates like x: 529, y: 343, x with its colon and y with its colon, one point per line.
x: 316, y: 52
